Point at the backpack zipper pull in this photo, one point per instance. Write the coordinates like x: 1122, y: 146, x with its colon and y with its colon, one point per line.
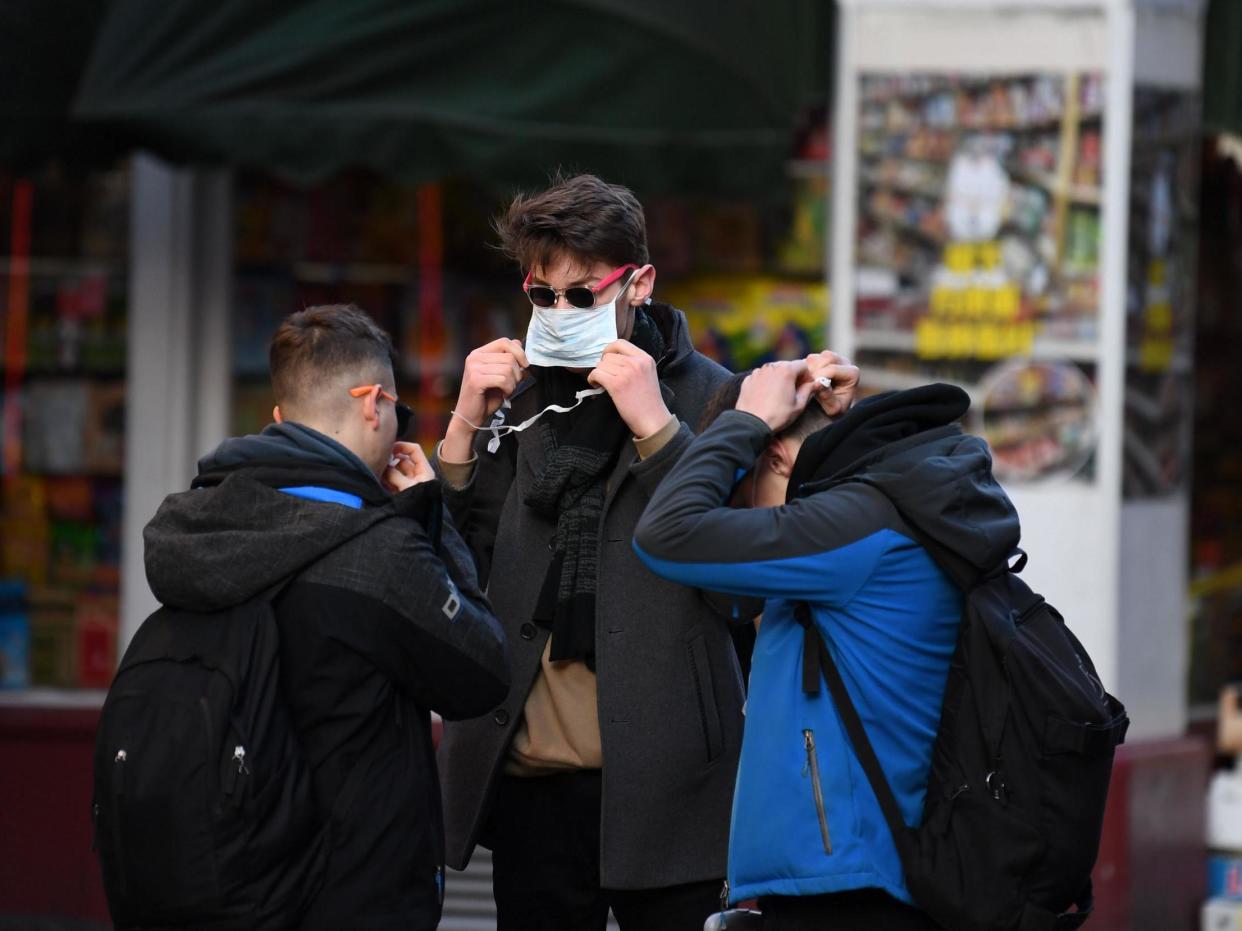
x: 724, y: 897
x: 118, y: 772
x: 117, y: 827
x: 239, y: 757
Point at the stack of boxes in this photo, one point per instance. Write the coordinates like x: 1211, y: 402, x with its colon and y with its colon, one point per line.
x: 59, y: 571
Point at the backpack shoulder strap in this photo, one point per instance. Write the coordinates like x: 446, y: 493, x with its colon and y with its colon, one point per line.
x: 817, y: 659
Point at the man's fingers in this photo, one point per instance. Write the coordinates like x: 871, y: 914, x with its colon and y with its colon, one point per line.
x: 497, y: 345
x: 623, y: 347
x: 515, y: 349
x: 826, y: 357
x: 416, y: 454
x: 411, y: 464
x: 839, y: 374
x: 615, y: 365
x: 490, y: 359
x: 846, y: 375
x: 504, y: 377
x: 506, y: 351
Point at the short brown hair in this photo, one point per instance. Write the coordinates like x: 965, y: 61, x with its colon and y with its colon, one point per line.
x: 581, y: 218
x: 319, y: 344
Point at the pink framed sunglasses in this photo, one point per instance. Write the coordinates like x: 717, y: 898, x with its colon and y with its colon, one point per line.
x: 580, y: 296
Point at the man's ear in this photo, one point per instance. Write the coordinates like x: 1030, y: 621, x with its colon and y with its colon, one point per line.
x: 643, y: 285
x: 779, y: 460
x: 276, y: 414
x: 370, y: 409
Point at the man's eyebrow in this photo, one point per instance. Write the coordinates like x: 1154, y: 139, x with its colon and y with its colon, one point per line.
x: 576, y: 283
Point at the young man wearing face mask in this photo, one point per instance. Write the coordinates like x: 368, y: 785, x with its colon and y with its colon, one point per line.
x: 605, y: 779
x: 380, y: 616
x: 812, y: 528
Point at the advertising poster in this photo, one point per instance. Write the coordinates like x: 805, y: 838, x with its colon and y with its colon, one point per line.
x: 1160, y: 291
x: 743, y: 322
x: 978, y: 246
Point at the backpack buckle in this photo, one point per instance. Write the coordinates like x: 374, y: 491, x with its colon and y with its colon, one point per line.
x: 996, y: 785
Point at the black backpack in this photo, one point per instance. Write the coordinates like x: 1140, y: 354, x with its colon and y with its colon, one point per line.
x: 1020, y: 766
x: 204, y: 813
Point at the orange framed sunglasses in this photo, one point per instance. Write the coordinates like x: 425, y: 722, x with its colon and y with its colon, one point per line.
x: 404, y: 412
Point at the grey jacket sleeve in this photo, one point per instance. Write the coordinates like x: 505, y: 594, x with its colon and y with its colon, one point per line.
x: 412, y: 606
x: 476, y: 506
x: 822, y: 547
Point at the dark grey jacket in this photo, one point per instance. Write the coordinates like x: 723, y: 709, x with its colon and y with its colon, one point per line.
x: 670, y: 691
x: 380, y: 621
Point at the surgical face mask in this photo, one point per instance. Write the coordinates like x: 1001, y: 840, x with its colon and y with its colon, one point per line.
x: 572, y: 338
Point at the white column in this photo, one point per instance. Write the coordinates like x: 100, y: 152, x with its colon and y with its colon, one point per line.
x: 178, y: 370
x: 1116, y: 569
x: 843, y: 190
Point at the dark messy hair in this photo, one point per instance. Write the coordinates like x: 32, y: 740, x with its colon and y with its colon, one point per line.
x: 579, y: 217
x: 318, y: 345
x: 724, y: 398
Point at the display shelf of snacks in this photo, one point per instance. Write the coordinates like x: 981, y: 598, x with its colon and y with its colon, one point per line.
x: 978, y: 243
x: 62, y: 388
x: 438, y: 289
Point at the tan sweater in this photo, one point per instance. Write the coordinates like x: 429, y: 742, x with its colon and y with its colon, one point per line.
x: 559, y: 729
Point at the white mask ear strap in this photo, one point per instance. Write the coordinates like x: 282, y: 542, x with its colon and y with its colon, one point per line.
x: 498, y: 430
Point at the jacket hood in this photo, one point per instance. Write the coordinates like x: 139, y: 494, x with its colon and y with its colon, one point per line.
x: 939, y: 478
x: 219, y: 546
x: 283, y: 442
x: 235, y: 534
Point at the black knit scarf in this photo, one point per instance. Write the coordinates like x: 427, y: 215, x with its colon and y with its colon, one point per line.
x: 581, y: 448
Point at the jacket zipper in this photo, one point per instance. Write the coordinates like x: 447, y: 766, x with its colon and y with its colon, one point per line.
x: 812, y: 769
x: 118, y: 804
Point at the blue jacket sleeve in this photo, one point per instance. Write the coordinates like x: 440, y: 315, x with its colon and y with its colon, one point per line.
x: 820, y: 548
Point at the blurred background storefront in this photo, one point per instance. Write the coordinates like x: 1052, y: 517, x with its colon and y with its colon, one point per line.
x: 1059, y: 233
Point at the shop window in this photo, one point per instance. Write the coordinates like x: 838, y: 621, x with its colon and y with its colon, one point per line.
x: 422, y: 260
x: 62, y: 429
x: 415, y: 257
x: 978, y: 239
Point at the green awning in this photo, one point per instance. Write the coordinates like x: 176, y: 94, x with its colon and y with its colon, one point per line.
x: 43, y: 48
x: 1222, y: 68
x: 658, y: 93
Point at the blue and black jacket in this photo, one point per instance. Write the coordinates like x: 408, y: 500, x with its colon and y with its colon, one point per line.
x: 805, y: 820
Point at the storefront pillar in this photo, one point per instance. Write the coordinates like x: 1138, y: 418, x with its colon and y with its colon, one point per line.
x: 1016, y: 213
x: 180, y: 375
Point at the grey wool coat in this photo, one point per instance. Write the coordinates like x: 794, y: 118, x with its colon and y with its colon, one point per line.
x: 669, y: 685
